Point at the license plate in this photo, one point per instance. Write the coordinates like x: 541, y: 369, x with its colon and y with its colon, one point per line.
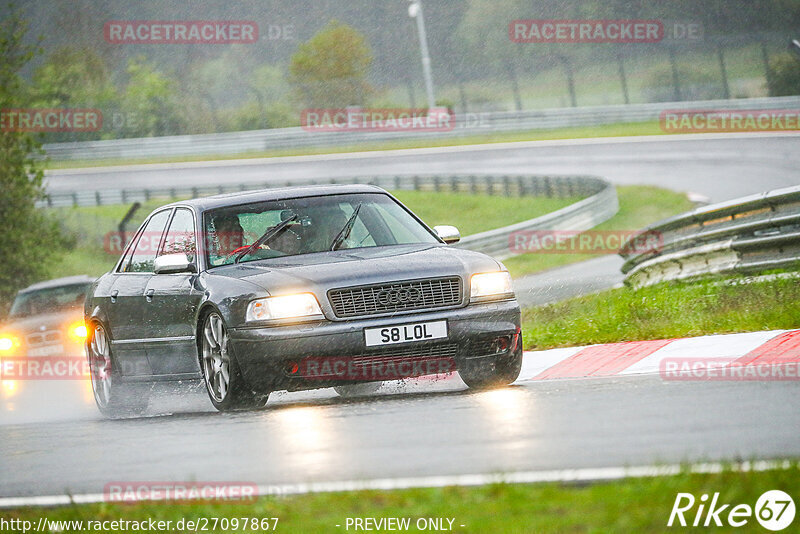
x: 47, y: 350
x: 405, y: 333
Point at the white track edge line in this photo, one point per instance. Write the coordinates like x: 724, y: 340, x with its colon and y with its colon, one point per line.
x: 581, y: 475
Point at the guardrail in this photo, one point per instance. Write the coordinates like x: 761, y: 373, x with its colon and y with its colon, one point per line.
x: 745, y: 235
x: 465, y: 125
x: 598, y: 199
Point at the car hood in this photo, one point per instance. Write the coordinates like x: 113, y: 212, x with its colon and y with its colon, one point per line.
x: 323, y: 271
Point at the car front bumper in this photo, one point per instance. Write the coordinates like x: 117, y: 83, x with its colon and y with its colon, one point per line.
x: 267, y: 356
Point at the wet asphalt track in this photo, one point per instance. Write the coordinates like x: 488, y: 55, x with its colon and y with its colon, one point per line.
x: 720, y: 168
x: 420, y: 429
x: 435, y: 428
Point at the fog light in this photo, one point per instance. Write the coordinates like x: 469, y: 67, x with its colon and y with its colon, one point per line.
x: 500, y: 344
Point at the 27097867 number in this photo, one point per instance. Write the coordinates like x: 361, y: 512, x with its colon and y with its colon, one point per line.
x: 232, y: 524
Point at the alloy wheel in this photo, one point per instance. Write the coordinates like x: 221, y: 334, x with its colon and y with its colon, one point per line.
x: 216, y: 358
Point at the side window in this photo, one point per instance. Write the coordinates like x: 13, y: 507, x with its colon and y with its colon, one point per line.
x: 180, y: 236
x: 145, y: 251
x: 126, y: 259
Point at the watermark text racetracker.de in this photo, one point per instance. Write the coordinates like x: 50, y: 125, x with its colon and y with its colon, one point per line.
x: 367, y: 369
x: 725, y: 369
x: 357, y: 119
x: 50, y: 120
x: 585, y: 31
x: 709, y: 121
x: 181, y: 32
x: 194, y: 491
x: 584, y: 242
x: 184, y: 524
x: 44, y: 368
x: 595, y: 31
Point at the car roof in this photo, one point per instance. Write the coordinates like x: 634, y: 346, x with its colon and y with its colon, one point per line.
x: 59, y: 282
x: 278, y: 193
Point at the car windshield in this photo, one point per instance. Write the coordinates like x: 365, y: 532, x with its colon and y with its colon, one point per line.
x: 49, y: 300
x: 317, y: 224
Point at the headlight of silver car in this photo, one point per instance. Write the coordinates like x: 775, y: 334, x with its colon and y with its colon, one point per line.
x: 490, y: 285
x: 297, y: 306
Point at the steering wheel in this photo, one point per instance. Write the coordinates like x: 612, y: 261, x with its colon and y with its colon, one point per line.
x: 236, y: 251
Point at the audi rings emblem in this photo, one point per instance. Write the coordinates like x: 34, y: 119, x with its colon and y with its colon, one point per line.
x: 398, y: 295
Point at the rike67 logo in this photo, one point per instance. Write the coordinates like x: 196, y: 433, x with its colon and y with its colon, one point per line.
x: 774, y: 510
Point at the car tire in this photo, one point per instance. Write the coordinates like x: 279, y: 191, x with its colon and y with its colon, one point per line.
x: 226, y: 387
x: 114, y: 399
x: 487, y: 373
x: 365, y: 389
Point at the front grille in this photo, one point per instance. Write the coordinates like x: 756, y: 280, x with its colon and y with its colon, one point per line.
x: 399, y: 296
x: 53, y: 336
x: 433, y: 352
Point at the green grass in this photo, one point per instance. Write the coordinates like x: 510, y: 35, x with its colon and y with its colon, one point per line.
x: 470, y: 213
x: 638, y: 207
x: 664, y: 311
x: 610, y: 130
x: 630, y: 505
x: 477, y: 213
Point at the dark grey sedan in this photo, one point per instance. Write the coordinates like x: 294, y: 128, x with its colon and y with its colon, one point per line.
x: 291, y: 289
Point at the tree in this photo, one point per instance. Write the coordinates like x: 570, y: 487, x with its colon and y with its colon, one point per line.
x: 30, y: 241
x: 330, y: 69
x: 150, y: 101
x: 784, y: 77
x: 74, y: 77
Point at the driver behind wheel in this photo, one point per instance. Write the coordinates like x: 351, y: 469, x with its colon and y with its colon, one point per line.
x: 325, y: 222
x: 229, y: 233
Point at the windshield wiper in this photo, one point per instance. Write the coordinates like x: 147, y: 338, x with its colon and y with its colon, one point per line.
x: 345, y: 232
x: 269, y: 234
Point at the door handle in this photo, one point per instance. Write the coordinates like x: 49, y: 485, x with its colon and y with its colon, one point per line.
x: 149, y: 295
x: 114, y: 295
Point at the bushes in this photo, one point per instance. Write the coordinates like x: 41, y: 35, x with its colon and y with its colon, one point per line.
x: 784, y: 79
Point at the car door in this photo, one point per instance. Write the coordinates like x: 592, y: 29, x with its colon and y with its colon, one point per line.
x: 171, y: 301
x: 127, y: 298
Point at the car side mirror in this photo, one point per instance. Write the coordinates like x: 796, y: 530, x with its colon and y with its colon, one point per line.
x: 448, y: 234
x: 173, y: 263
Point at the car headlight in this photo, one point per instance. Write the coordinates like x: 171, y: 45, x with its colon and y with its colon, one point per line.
x: 77, y: 331
x: 299, y: 306
x: 8, y: 342
x: 487, y: 285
